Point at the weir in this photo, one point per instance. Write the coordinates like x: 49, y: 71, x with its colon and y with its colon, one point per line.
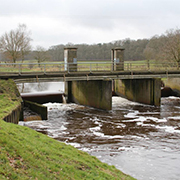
x: 146, y: 91
x: 44, y: 97
x: 92, y: 86
x: 98, y: 93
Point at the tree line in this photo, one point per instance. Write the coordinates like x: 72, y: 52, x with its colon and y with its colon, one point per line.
x: 165, y: 47
x: 102, y: 51
x: 16, y: 45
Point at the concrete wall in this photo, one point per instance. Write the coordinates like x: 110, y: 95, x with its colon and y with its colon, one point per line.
x: 171, y: 87
x: 42, y: 98
x: 174, y: 83
x: 117, y: 57
x: 97, y: 94
x: 70, y: 56
x: 14, y: 116
x: 146, y: 91
x: 38, y: 108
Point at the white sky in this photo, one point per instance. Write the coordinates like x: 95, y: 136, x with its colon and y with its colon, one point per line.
x: 54, y: 22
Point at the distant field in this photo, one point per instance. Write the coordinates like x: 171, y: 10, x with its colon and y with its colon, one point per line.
x: 152, y: 65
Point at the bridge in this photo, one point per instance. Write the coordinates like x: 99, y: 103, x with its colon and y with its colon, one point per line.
x: 95, y: 70
x: 90, y: 83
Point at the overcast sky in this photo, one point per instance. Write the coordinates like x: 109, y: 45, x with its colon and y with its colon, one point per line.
x: 54, y: 22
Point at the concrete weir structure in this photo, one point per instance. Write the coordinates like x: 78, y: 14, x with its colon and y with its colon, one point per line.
x: 70, y: 58
x: 98, y: 93
x: 146, y: 91
x: 117, y: 58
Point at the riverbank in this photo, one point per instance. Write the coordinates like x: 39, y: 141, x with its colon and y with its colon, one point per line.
x: 10, y: 98
x: 27, y: 154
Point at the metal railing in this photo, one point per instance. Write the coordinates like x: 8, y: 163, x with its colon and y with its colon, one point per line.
x: 107, y: 66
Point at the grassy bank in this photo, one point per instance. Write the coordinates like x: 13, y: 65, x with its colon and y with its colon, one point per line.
x: 9, y: 97
x: 27, y: 154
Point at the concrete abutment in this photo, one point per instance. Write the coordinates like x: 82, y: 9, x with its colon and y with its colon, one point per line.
x: 146, y: 91
x: 97, y: 94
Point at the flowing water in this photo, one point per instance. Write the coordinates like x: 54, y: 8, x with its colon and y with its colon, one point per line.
x: 142, y: 141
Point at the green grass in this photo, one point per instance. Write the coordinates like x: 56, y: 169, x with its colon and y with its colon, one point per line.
x: 9, y: 97
x: 27, y: 154
x: 152, y: 65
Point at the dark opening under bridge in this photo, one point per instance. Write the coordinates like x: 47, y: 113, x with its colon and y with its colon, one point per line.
x: 91, y: 83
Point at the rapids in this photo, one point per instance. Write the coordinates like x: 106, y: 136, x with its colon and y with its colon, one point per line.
x: 140, y: 140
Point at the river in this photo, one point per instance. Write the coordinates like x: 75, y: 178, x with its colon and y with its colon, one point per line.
x: 140, y: 140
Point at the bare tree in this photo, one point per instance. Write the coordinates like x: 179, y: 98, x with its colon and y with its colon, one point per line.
x: 16, y: 44
x: 172, y: 45
x: 41, y: 54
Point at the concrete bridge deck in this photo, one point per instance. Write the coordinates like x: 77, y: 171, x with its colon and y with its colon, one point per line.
x: 77, y: 76
x: 91, y: 83
x: 85, y: 71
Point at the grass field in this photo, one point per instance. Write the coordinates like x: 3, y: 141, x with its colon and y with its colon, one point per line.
x: 9, y: 97
x: 26, y: 154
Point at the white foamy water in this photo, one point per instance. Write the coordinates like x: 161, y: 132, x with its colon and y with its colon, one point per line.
x: 140, y: 140
x: 175, y: 118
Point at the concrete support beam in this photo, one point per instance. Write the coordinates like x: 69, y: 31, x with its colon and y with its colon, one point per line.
x: 14, y: 116
x: 38, y: 108
x: 146, y: 91
x: 70, y: 59
x: 97, y: 94
x: 42, y: 98
x: 117, y: 56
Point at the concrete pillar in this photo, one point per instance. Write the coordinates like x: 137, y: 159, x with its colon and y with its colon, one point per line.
x: 146, y: 91
x: 97, y: 94
x: 117, y: 56
x: 68, y: 91
x: 112, y: 59
x: 70, y: 59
